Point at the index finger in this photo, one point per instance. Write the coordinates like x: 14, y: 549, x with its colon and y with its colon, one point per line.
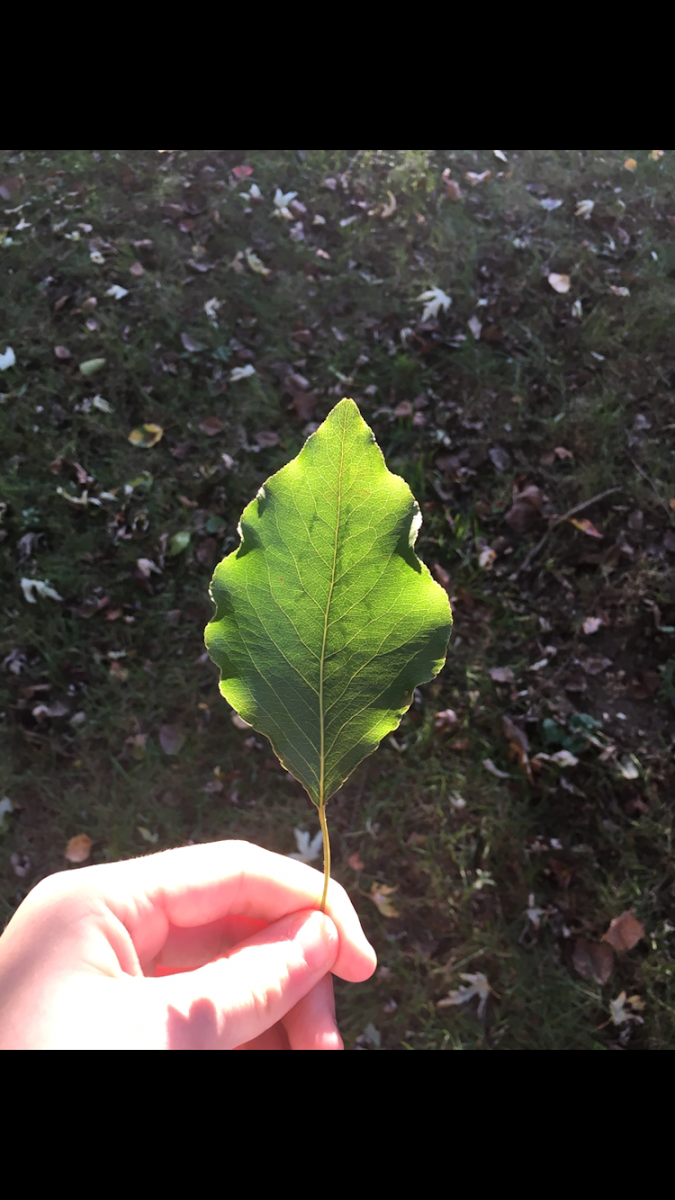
x: 195, y: 885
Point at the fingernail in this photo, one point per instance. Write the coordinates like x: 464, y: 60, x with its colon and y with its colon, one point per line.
x: 317, y: 937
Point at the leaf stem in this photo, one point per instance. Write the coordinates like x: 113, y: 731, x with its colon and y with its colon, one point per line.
x: 326, y: 854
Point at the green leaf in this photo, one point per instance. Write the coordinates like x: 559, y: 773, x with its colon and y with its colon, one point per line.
x: 179, y: 542
x: 325, y: 619
x: 91, y: 365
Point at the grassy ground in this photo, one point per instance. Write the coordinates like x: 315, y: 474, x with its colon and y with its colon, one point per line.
x: 504, y: 870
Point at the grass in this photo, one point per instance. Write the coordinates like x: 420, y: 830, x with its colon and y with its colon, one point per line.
x: 586, y: 842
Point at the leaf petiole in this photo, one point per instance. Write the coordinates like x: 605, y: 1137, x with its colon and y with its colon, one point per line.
x: 326, y: 854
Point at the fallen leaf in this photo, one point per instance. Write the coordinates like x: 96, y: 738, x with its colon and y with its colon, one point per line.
x: 8, y: 359
x: 475, y: 179
x: 147, y: 836
x: 146, y: 436
x: 242, y: 171
x: 78, y: 848
x: 619, y: 291
x: 550, y: 204
x: 655, y: 155
x: 447, y: 719
x: 486, y: 558
x: 255, y: 263
x: 389, y: 209
x: 434, y: 300
x: 564, y: 759
x: 91, y: 365
x: 453, y: 190
x: 191, y: 344
x: 585, y: 526
x: 500, y: 458
x: 477, y: 986
x: 49, y: 710
x: 619, y: 1014
x: 211, y: 426
x: 630, y: 164
x: 628, y: 767
x: 179, y: 542
x: 403, y: 409
x: 266, y: 438
x: 171, y: 739
x: 559, y: 283
x: 211, y: 308
x: 518, y: 744
x: 118, y: 673
x: 593, y: 961
x: 307, y: 851
x: 490, y: 766
x: 584, y: 208
x: 355, y: 862
x: 117, y: 292
x: 624, y: 932
x: 241, y: 373
x: 475, y: 326
x: 501, y: 674
x: 592, y: 625
x: 500, y: 155
x: 63, y: 353
x: 146, y: 567
x: 39, y: 587
x: 594, y: 666
x: 561, y: 452
x: 379, y: 894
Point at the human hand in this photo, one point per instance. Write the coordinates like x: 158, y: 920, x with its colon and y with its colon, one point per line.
x: 210, y: 947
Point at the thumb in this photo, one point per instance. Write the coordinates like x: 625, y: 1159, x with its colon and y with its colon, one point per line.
x: 234, y: 1000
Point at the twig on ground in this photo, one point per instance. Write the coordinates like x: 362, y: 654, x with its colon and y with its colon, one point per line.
x: 651, y: 483
x: 558, y: 521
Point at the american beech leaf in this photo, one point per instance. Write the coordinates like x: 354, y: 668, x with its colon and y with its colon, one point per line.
x: 326, y: 620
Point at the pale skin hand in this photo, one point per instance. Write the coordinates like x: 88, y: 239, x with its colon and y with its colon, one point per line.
x: 211, y: 947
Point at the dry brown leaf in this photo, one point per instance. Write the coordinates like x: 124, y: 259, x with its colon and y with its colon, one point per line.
x: 475, y: 179
x: 624, y: 932
x: 137, y: 269
x: 593, y: 961
x: 355, y: 862
x: 630, y: 164
x: 211, y: 426
x: 586, y: 526
x: 379, y: 894
x: 78, y: 848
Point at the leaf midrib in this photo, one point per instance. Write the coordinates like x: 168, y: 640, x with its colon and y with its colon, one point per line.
x: 322, y: 756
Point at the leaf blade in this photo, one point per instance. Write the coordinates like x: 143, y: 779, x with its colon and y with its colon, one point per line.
x: 325, y: 619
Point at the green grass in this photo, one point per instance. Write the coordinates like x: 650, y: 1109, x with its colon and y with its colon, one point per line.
x: 540, y: 377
